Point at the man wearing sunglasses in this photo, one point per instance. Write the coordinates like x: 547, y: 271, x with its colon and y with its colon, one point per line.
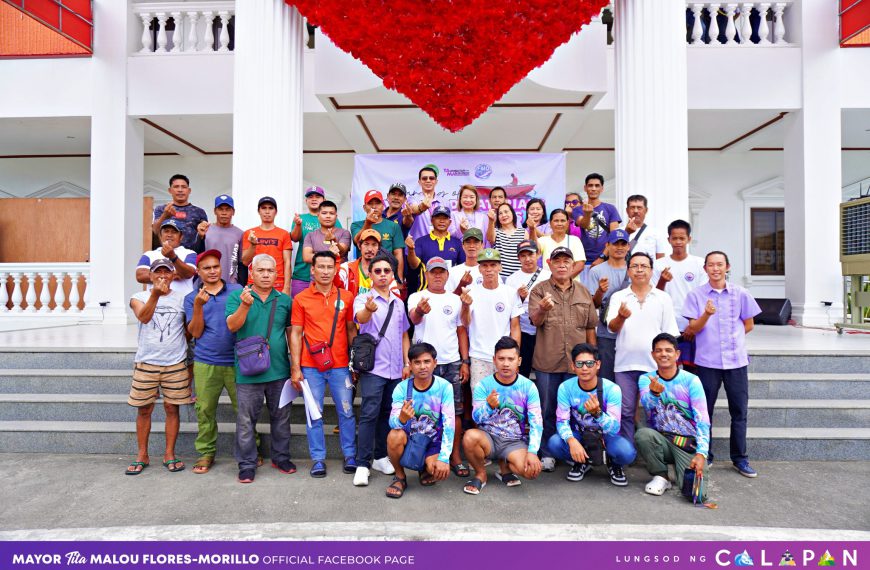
x: 422, y: 210
x: 637, y: 314
x: 589, y: 409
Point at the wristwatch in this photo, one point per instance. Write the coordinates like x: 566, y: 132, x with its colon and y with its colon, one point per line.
x: 466, y: 361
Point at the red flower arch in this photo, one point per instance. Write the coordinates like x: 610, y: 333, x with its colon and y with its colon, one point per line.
x: 451, y: 58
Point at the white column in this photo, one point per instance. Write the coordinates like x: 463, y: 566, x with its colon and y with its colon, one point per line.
x: 267, y: 123
x: 117, y: 168
x: 651, y: 107
x: 813, y: 176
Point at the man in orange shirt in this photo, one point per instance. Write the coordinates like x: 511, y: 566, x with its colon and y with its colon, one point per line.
x: 319, y: 339
x: 270, y: 239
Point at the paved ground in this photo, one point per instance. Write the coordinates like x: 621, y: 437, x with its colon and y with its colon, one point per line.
x: 79, y: 497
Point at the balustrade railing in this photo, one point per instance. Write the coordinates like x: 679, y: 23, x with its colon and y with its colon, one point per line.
x: 186, y: 27
x: 43, y: 288
x: 736, y: 23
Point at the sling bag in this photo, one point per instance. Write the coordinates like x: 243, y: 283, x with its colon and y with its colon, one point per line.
x: 321, y: 352
x: 362, y: 349
x: 253, y: 352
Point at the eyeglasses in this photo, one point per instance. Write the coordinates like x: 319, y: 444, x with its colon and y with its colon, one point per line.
x: 586, y: 363
x: 572, y: 202
x: 382, y: 271
x: 426, y: 178
x: 636, y: 267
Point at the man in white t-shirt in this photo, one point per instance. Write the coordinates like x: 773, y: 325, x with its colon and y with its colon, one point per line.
x: 637, y: 314
x: 676, y: 275
x: 489, y: 310
x: 468, y: 273
x: 643, y: 237
x: 523, y: 280
x: 435, y: 313
x: 182, y: 258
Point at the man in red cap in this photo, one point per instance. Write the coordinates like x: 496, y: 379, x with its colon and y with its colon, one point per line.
x: 392, y: 240
x: 213, y: 353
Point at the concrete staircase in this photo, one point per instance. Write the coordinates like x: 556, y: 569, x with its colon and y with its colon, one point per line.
x: 801, y: 407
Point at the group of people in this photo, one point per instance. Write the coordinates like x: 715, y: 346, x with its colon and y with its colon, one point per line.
x: 470, y: 336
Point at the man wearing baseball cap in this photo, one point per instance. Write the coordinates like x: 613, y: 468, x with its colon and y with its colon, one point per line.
x: 392, y: 241
x: 562, y: 310
x: 213, y: 355
x: 160, y: 362
x: 435, y: 313
x: 354, y: 275
x: 489, y: 310
x: 397, y: 198
x: 523, y: 279
x: 302, y: 226
x: 224, y: 237
x: 183, y: 259
x: 437, y: 243
x: 467, y: 273
x: 269, y: 239
x: 602, y: 281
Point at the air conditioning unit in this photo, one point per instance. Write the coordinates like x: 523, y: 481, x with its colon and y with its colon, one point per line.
x: 855, y: 262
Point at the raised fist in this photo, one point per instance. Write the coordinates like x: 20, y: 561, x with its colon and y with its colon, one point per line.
x: 202, y: 228
x: 604, y: 284
x: 547, y: 302
x: 370, y: 305
x: 423, y: 306
x: 492, y: 400
x: 465, y: 297
x: 655, y: 386
x: 409, y: 242
x: 466, y: 279
x: 202, y: 297
x: 666, y: 275
x: 710, y: 308
x: 253, y: 238
x: 592, y: 405
x: 246, y: 296
x: 624, y: 311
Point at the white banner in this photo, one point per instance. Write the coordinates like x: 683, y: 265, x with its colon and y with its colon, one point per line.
x: 523, y: 176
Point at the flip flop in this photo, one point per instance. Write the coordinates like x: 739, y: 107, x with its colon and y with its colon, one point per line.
x: 135, y: 464
x: 460, y: 470
x: 203, y: 464
x: 474, y: 486
x: 172, y: 465
x: 509, y: 479
x: 398, y: 486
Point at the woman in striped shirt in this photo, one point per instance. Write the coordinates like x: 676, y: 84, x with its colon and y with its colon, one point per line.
x: 505, y: 236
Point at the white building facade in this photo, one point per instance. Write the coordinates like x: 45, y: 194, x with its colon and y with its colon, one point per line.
x: 728, y: 134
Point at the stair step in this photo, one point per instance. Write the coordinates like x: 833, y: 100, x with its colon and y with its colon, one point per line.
x: 65, y: 359
x: 815, y: 386
x: 800, y: 413
x: 66, y: 381
x: 807, y: 361
x: 799, y: 444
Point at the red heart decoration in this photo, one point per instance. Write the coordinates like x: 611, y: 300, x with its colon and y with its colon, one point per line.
x: 453, y: 59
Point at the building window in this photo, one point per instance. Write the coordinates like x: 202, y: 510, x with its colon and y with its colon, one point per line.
x: 768, y: 241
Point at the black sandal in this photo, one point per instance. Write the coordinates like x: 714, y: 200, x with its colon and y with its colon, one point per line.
x: 398, y: 485
x: 460, y: 470
x: 474, y: 486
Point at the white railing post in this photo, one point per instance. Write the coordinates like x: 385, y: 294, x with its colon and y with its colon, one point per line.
x: 16, y: 293
x: 779, y: 25
x: 44, y: 294
x: 31, y: 292
x: 730, y: 28
x: 147, y: 44
x: 713, y: 30
x: 190, y: 45
x: 161, y: 32
x: 763, y: 28
x: 208, y: 43
x: 74, y: 292
x: 225, y: 31
x: 87, y: 296
x: 178, y: 33
x: 746, y: 24
x: 697, y: 28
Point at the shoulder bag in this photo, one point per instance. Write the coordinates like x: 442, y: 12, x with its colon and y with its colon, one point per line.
x: 253, y: 352
x: 362, y: 349
x: 414, y: 456
x: 321, y: 352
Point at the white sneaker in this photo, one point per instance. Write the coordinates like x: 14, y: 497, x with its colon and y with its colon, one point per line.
x: 361, y: 477
x: 548, y: 464
x: 383, y: 465
x: 657, y: 486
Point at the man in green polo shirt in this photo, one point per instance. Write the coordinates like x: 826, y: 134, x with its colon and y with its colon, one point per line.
x: 302, y: 226
x: 248, y: 313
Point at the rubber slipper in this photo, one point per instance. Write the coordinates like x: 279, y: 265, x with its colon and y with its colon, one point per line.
x: 474, y: 486
x: 172, y: 465
x: 202, y: 465
x: 135, y: 464
x: 460, y: 470
x: 509, y: 479
x: 398, y: 486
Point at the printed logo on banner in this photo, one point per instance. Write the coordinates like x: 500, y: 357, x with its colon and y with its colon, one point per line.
x: 483, y: 171
x: 743, y: 559
x: 805, y: 558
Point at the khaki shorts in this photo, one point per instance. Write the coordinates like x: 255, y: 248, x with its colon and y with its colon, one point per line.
x: 480, y: 369
x: 149, y: 380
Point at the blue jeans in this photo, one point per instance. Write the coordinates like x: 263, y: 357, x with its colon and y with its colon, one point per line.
x: 338, y: 379
x: 548, y: 389
x: 620, y: 451
x: 250, y: 402
x: 627, y: 382
x: 737, y: 391
x: 374, y: 417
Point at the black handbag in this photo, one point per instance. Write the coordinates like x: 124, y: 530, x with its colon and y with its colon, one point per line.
x: 362, y: 349
x: 252, y: 353
x: 414, y: 456
x: 593, y: 441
